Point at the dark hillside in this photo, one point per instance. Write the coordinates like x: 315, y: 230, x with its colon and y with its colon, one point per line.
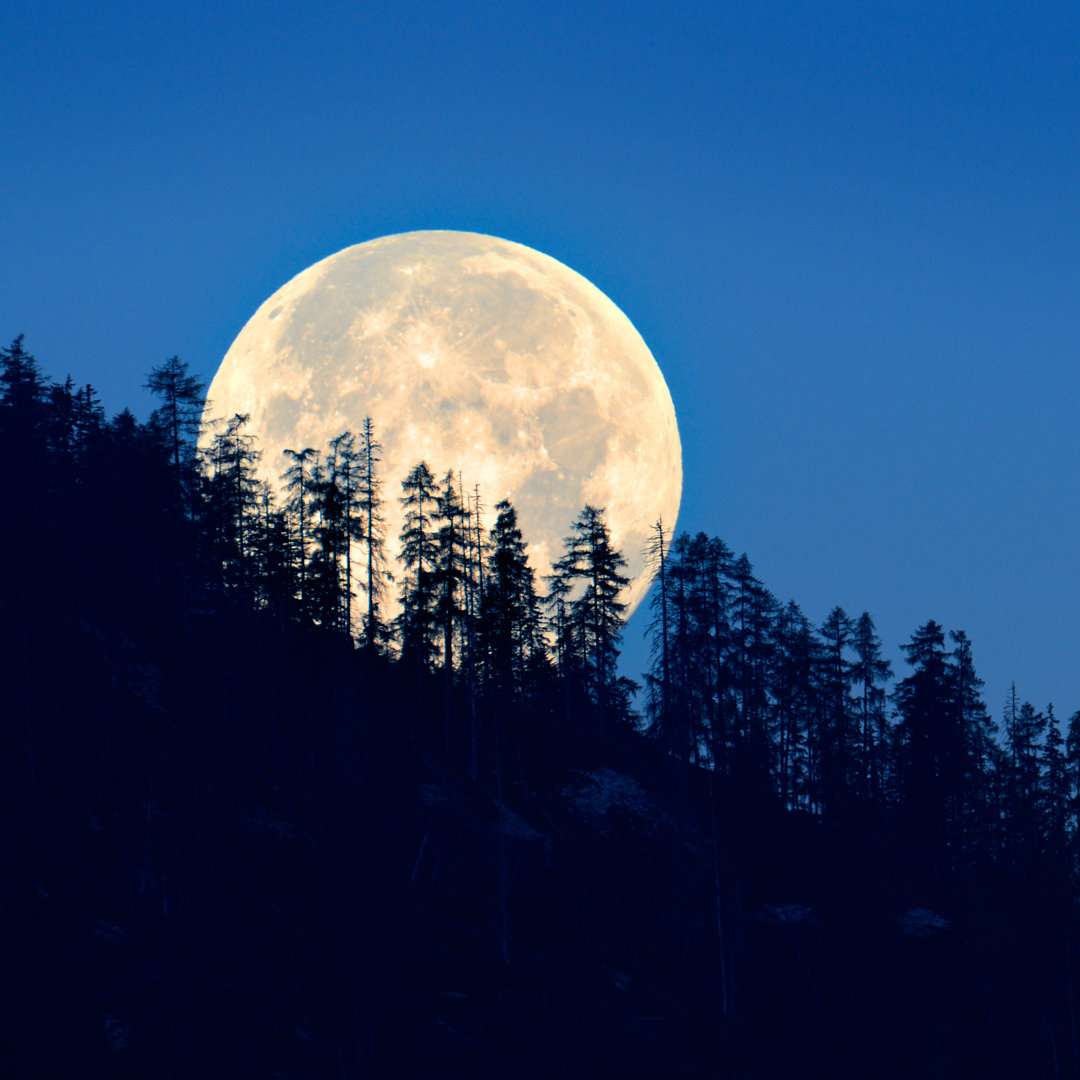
x: 241, y: 840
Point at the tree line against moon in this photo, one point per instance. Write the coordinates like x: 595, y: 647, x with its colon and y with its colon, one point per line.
x: 473, y: 352
x: 464, y: 595
x: 786, y: 829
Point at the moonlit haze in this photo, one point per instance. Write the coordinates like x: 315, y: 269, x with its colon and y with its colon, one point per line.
x: 477, y: 355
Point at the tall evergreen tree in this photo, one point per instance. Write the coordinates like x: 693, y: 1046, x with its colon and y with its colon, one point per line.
x: 510, y: 616
x: 232, y: 499
x: 795, y: 693
x: 973, y: 808
x: 753, y: 609
x: 1055, y: 789
x: 1072, y: 773
x: 326, y: 588
x: 656, y: 561
x: 701, y: 683
x: 1024, y: 732
x: 452, y: 537
x: 345, y: 476
x: 838, y: 737
x: 178, y: 418
x: 299, y: 480
x: 371, y: 533
x: 420, y: 558
x: 870, y: 675
x: 930, y: 745
x: 592, y: 563
x: 23, y: 396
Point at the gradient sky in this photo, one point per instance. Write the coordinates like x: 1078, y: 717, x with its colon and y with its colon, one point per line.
x: 850, y: 233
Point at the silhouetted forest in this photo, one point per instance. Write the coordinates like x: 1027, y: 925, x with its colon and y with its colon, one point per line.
x: 278, y: 805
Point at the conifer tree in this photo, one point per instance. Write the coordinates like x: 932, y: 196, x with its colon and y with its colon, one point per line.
x: 345, y: 477
x: 179, y: 416
x: 837, y: 729
x: 796, y: 702
x: 420, y: 558
x: 1024, y: 732
x: 973, y: 806
x: 326, y: 589
x: 701, y: 697
x: 299, y: 480
x: 371, y: 533
x: 1072, y: 772
x: 510, y: 618
x: 929, y: 741
x: 1055, y: 789
x: 449, y: 581
x: 232, y: 497
x: 656, y: 560
x: 870, y: 674
x: 272, y: 550
x: 753, y: 609
x: 596, y: 613
x: 23, y: 392
x: 475, y: 554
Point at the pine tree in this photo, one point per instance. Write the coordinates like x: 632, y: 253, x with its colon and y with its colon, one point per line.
x: 700, y: 697
x: 450, y: 567
x: 326, y: 589
x: 838, y: 734
x: 795, y: 696
x: 1024, y: 731
x: 973, y: 806
x: 596, y: 613
x: 345, y: 476
x: 1072, y: 773
x: 510, y: 615
x: 420, y: 558
x: 870, y: 673
x: 272, y: 555
x: 1055, y: 789
x: 299, y: 485
x: 179, y: 416
x: 930, y: 744
x: 371, y: 533
x: 475, y: 554
x: 753, y: 609
x: 656, y: 561
x: 23, y: 396
x: 231, y: 500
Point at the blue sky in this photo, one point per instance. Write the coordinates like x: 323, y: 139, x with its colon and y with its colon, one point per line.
x: 850, y: 233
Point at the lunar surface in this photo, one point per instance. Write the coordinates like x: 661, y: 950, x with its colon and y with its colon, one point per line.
x: 474, y: 354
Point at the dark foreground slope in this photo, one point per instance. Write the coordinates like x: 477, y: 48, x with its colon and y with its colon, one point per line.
x: 231, y: 846
x: 234, y: 849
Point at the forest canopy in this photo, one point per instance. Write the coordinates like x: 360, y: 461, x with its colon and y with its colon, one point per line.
x: 213, y: 693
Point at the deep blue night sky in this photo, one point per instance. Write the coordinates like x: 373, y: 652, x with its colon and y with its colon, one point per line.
x: 850, y: 233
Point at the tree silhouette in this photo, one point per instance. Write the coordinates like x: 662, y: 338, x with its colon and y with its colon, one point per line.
x: 510, y: 615
x: 232, y: 499
x: 179, y: 416
x: 370, y: 532
x: 596, y: 615
x: 933, y: 751
x: 450, y: 570
x: 420, y: 559
x: 870, y: 673
x: 299, y: 480
x: 837, y: 733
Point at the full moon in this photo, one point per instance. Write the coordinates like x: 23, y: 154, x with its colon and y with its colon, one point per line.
x: 473, y: 354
